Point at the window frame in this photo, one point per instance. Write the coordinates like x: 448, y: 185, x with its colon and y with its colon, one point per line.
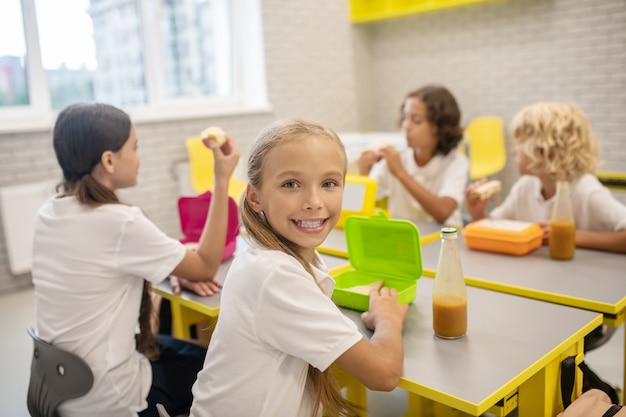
x: 249, y: 93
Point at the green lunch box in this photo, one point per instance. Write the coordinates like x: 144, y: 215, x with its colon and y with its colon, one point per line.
x: 379, y: 248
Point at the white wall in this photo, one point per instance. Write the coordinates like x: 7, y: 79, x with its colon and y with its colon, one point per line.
x: 495, y: 57
x: 499, y: 56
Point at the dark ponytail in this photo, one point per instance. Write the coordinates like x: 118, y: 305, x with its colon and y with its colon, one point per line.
x: 82, y: 133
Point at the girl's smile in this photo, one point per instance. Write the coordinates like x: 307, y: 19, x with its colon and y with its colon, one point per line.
x: 311, y: 226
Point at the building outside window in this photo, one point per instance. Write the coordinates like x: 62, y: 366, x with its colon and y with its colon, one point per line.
x: 130, y: 53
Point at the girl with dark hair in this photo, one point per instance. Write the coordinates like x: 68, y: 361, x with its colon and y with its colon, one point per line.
x: 426, y: 180
x: 279, y: 331
x: 95, y: 257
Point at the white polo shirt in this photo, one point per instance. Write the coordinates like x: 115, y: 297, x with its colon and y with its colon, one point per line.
x: 274, y: 321
x: 445, y: 176
x: 594, y: 206
x: 89, y: 265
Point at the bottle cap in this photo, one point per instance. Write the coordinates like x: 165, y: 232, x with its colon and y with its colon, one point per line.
x: 449, y: 232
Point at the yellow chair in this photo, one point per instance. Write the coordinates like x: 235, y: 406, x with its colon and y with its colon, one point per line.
x: 201, y: 166
x: 485, y: 146
x: 359, y: 197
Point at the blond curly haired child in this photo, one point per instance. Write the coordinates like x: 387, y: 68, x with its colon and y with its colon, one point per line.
x: 554, y: 142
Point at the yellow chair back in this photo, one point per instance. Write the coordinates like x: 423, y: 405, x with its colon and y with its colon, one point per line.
x: 201, y: 166
x: 359, y: 197
x: 486, y: 146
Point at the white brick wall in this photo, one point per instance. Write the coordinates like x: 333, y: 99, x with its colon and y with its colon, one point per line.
x: 310, y: 61
x: 496, y: 57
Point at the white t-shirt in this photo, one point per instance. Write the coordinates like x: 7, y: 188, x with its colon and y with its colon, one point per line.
x: 594, y: 206
x: 274, y: 321
x: 89, y: 265
x: 445, y: 176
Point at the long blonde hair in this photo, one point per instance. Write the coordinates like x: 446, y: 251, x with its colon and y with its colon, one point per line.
x: 557, y: 138
x: 328, y: 396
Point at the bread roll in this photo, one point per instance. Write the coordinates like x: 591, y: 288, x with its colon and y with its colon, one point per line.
x: 486, y: 190
x: 214, y: 133
x: 366, y: 289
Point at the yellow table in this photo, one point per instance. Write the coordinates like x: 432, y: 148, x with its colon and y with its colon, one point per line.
x: 613, y: 179
x: 593, y: 280
x: 509, y: 359
x: 189, y: 309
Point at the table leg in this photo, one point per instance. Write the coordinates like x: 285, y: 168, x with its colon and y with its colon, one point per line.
x: 355, y: 390
x: 179, y: 329
x: 416, y: 405
x: 540, y: 396
x: 442, y: 410
x: 419, y: 406
x: 184, y: 317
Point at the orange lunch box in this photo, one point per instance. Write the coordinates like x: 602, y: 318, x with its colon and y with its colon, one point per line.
x: 510, y: 237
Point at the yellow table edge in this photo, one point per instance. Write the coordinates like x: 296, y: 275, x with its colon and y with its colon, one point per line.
x: 571, y: 301
x: 611, y: 175
x: 193, y: 305
x: 614, y: 180
x: 434, y: 395
x: 477, y: 409
x: 333, y: 252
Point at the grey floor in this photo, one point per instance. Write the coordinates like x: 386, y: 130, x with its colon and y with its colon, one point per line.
x: 17, y: 312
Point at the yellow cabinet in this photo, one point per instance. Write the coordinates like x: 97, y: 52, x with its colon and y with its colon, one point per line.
x: 362, y: 11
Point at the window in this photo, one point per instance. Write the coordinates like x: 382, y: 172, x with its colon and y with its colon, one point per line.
x: 13, y: 80
x: 150, y: 57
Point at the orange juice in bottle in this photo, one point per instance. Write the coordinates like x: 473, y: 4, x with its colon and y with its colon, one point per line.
x: 449, y: 316
x: 562, y: 227
x: 449, y: 292
x: 562, y: 240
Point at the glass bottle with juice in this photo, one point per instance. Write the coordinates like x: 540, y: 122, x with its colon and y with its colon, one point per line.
x: 449, y: 292
x: 562, y: 227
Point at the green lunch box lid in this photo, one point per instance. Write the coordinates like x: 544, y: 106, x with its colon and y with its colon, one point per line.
x: 378, y: 244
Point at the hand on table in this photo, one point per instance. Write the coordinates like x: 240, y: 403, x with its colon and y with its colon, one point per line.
x: 202, y: 288
x: 384, y: 306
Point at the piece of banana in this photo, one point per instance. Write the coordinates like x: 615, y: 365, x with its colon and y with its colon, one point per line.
x: 214, y: 133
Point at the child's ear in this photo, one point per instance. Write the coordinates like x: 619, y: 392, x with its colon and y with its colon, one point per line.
x: 253, y: 198
x: 107, y: 162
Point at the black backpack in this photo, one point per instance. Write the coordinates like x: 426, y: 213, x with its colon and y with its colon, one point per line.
x: 590, y: 380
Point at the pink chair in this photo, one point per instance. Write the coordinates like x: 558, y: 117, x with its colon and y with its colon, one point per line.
x: 193, y: 213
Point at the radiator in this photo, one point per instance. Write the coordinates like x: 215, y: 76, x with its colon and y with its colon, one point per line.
x: 18, y: 206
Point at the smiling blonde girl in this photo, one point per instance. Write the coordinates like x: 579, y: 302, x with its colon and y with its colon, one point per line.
x: 279, y: 331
